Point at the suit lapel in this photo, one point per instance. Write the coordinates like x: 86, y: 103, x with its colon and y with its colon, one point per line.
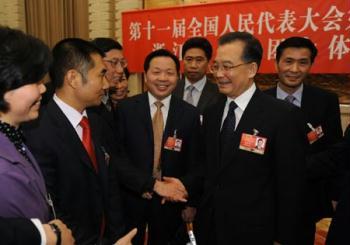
x: 205, y: 96
x: 216, y: 119
x: 144, y: 113
x: 307, y: 103
x: 67, y: 134
x: 179, y: 90
x: 175, y: 111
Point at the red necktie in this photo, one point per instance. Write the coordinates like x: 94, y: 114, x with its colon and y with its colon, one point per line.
x: 87, y: 142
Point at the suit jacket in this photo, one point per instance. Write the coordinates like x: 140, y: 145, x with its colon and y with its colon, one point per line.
x: 18, y: 231
x: 208, y: 97
x: 81, y: 196
x: 110, y: 117
x: 137, y: 137
x: 22, y: 186
x: 340, y: 226
x: 320, y: 107
x: 250, y: 198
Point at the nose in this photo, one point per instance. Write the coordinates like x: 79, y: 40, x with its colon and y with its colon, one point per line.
x: 295, y: 67
x: 105, y: 84
x: 42, y: 88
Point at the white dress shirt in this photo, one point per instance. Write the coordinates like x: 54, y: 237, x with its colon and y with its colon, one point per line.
x: 72, y: 114
x: 197, y: 91
x: 164, y: 108
x: 280, y: 94
x: 241, y: 101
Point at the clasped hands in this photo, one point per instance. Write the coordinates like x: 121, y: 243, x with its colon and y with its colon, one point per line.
x: 171, y: 189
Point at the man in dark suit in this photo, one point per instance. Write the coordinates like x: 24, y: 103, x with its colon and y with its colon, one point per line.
x: 160, y: 134
x: 116, y: 66
x: 335, y: 161
x: 339, y: 156
x: 71, y: 146
x: 251, y: 196
x: 294, y: 58
x: 196, y: 87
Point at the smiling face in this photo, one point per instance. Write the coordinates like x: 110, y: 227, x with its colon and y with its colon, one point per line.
x: 293, y: 67
x: 234, y: 76
x: 114, y: 67
x: 119, y: 90
x: 161, y: 77
x: 90, y: 90
x: 24, y: 103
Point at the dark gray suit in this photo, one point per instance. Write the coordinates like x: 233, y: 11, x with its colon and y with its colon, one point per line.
x: 208, y: 97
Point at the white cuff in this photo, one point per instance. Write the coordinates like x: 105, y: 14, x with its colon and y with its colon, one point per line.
x: 40, y: 227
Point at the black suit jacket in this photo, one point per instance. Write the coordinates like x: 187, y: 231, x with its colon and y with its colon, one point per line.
x: 339, y: 156
x: 81, y: 197
x: 250, y: 198
x: 209, y: 96
x: 18, y: 231
x: 320, y: 107
x: 136, y: 135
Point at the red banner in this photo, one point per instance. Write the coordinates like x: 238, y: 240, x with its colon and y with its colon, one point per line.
x: 325, y: 22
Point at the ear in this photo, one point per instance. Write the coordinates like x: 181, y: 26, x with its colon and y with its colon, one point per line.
x: 145, y: 76
x: 73, y: 78
x: 252, y: 70
x: 276, y: 65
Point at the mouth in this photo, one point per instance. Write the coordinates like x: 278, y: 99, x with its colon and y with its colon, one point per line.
x: 223, y: 83
x: 37, y: 103
x: 292, y: 77
x: 161, y: 87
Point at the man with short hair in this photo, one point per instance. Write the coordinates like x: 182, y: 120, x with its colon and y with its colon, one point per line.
x: 116, y: 66
x: 294, y: 59
x: 71, y: 146
x: 160, y: 133
x: 196, y: 87
x: 250, y: 196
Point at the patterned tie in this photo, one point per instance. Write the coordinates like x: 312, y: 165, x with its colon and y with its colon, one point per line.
x: 290, y: 99
x: 158, y: 125
x: 189, y: 97
x: 87, y: 142
x: 228, y: 127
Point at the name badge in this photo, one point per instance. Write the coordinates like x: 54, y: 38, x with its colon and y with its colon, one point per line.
x: 314, y: 134
x: 173, y: 143
x: 253, y: 143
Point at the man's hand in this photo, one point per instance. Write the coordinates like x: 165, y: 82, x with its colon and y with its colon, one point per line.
x: 66, y: 233
x: 126, y: 240
x: 188, y: 214
x: 171, y: 189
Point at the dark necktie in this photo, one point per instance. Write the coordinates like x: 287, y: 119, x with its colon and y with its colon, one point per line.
x: 228, y: 127
x: 87, y: 142
x: 290, y: 99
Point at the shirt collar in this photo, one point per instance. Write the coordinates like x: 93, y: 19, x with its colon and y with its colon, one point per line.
x: 243, y: 100
x: 281, y: 94
x: 165, y: 101
x: 72, y: 114
x: 199, y: 85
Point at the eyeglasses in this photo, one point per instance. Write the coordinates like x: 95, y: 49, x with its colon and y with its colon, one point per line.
x: 114, y: 62
x: 214, y: 68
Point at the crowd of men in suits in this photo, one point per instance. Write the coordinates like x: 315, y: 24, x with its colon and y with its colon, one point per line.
x: 244, y: 166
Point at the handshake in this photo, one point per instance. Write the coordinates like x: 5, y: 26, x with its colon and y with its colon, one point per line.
x: 171, y: 189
